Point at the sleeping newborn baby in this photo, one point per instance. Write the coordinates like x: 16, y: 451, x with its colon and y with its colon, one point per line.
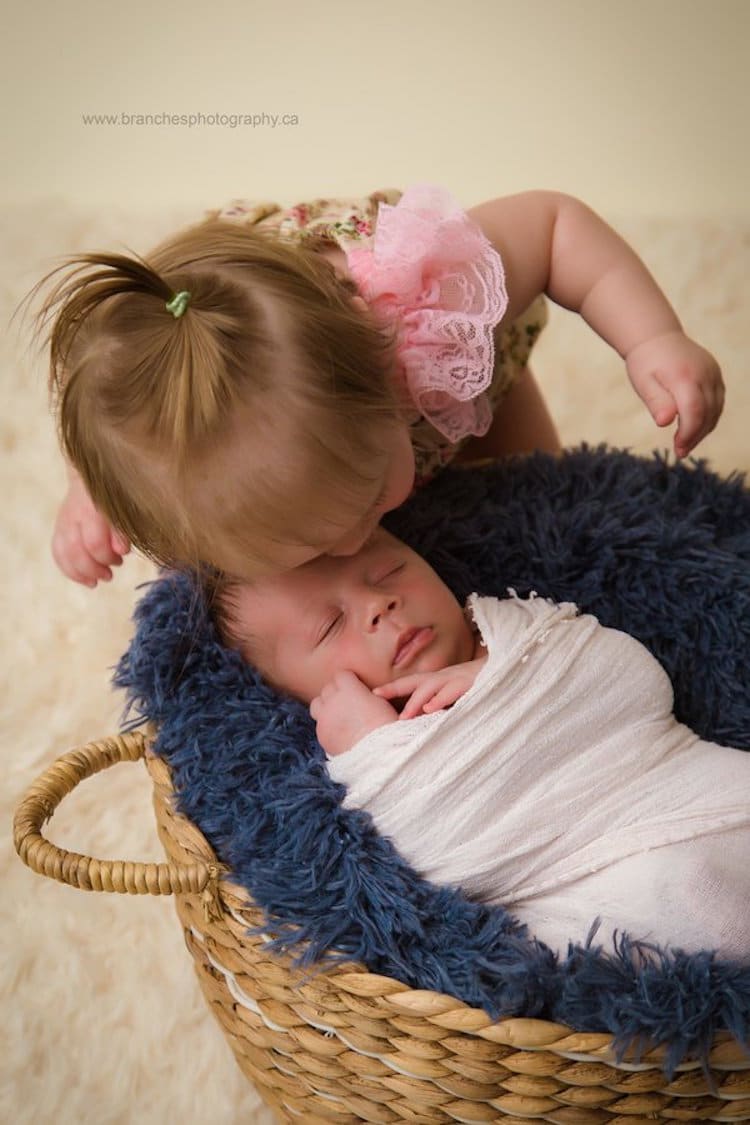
x: 517, y: 749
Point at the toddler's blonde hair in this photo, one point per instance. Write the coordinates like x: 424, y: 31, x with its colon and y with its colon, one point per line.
x: 270, y: 354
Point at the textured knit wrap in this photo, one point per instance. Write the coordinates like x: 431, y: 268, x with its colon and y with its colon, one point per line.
x: 562, y: 786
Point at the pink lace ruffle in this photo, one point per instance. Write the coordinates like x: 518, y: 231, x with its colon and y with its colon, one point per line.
x: 431, y: 271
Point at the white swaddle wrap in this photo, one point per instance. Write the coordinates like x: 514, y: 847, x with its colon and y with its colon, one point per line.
x: 562, y: 786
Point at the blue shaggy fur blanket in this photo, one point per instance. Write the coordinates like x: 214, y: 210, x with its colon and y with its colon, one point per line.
x: 661, y: 551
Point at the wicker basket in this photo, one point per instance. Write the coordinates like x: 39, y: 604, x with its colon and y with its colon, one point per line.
x: 346, y: 1045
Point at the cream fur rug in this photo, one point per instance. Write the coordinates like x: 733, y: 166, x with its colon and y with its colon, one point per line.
x: 104, y: 1022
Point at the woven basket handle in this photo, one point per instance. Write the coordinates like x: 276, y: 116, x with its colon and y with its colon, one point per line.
x: 85, y: 872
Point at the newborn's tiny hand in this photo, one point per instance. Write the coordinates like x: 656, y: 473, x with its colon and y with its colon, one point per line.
x: 426, y: 692
x: 345, y: 711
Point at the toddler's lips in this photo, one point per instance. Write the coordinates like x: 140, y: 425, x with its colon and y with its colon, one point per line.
x: 411, y: 643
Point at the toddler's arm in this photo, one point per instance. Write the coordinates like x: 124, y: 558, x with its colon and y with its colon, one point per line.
x: 551, y: 243
x: 84, y: 545
x: 426, y: 692
x: 345, y: 711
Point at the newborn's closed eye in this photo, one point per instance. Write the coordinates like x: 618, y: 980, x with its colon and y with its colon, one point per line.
x: 329, y: 627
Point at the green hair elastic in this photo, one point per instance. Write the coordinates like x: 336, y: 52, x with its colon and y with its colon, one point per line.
x: 178, y: 303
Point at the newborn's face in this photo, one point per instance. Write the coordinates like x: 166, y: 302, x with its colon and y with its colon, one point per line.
x: 382, y: 613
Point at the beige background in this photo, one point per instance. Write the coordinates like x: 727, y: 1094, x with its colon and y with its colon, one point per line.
x: 640, y: 107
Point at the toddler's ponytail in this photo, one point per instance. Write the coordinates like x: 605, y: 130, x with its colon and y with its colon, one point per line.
x: 170, y: 372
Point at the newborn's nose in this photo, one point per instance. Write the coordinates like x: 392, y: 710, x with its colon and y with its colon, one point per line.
x: 380, y: 610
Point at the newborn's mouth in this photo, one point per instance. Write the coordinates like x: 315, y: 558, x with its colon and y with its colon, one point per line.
x: 411, y: 643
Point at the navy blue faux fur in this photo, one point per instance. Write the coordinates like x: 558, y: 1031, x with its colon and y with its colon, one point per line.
x: 662, y: 552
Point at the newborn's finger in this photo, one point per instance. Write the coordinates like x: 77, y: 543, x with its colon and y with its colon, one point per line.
x: 417, y: 702
x: 443, y: 698
x: 397, y: 689
x: 323, y: 697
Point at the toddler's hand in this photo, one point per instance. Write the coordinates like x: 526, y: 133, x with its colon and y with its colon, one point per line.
x: 345, y: 711
x: 677, y: 378
x: 84, y: 545
x: 432, y: 691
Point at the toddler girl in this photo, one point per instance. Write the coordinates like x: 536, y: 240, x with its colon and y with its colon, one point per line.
x: 560, y: 783
x: 256, y: 391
